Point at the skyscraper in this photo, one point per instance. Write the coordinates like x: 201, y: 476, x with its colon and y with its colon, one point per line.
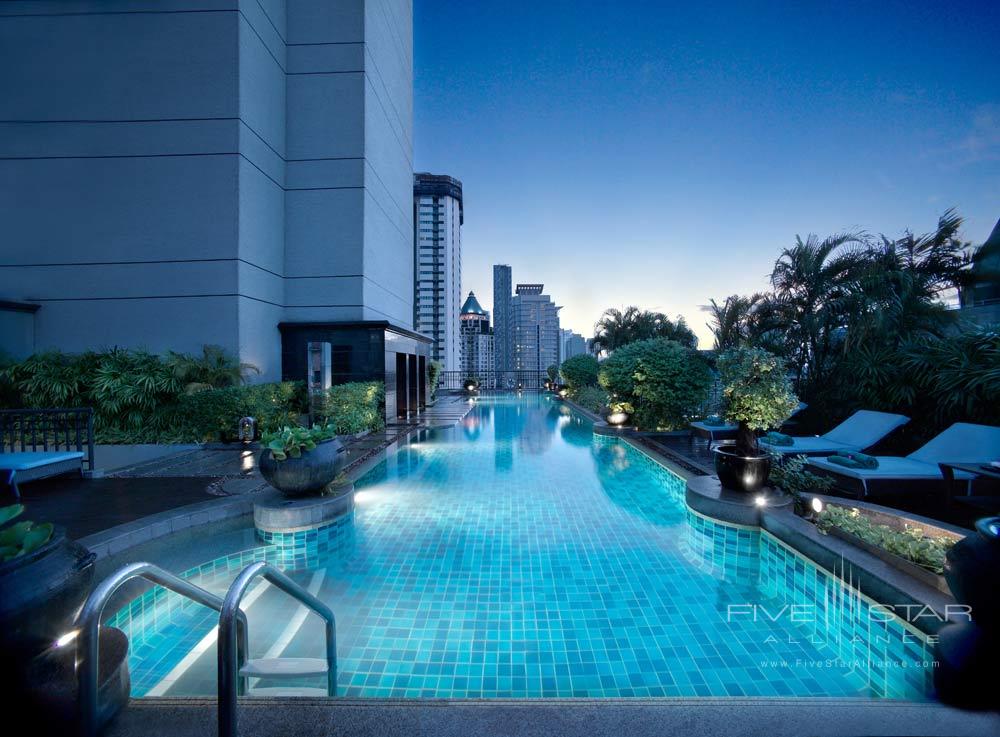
x: 535, y: 319
x: 437, y: 234
x: 571, y: 344
x: 503, y: 334
x: 181, y: 178
x: 476, y: 339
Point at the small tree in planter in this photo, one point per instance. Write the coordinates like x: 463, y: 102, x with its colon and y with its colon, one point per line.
x: 758, y: 396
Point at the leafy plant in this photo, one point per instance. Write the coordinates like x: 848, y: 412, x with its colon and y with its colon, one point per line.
x: 213, y: 369
x: 355, y: 407
x: 909, y: 543
x: 593, y: 398
x: 618, y: 328
x: 294, y: 441
x: 434, y: 369
x: 664, y: 382
x: 579, y: 371
x: 20, y: 538
x: 552, y: 371
x: 790, y: 475
x: 757, y: 393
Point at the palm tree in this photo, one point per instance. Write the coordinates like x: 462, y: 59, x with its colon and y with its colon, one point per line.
x: 905, y: 278
x: 621, y: 327
x: 815, y: 293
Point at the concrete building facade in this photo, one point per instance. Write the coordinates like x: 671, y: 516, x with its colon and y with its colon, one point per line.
x: 535, y: 319
x: 438, y: 215
x: 176, y: 174
x: 503, y: 332
x: 477, y: 339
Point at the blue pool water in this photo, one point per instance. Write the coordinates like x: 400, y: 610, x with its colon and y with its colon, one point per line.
x: 519, y: 555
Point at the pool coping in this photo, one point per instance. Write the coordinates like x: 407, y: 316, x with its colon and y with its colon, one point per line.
x: 638, y: 717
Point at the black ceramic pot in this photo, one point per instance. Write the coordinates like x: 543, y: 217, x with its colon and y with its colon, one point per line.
x: 740, y: 472
x: 308, y: 473
x: 41, y: 593
x: 970, y: 569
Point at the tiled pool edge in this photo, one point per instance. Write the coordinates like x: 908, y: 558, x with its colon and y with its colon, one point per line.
x: 871, y: 576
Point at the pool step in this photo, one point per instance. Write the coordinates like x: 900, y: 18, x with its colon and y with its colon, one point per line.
x: 286, y: 691
x: 284, y: 668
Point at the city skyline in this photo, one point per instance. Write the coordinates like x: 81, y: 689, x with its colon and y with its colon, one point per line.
x: 659, y: 134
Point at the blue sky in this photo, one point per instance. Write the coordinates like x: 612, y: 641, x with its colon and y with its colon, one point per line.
x: 662, y: 154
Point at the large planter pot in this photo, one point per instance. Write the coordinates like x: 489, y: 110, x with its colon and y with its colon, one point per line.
x: 971, y: 567
x: 308, y: 473
x: 41, y: 593
x: 741, y: 472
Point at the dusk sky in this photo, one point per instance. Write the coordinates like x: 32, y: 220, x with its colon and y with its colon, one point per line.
x: 660, y: 154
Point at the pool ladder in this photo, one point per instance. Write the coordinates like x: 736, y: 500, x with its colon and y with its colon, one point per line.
x: 235, y: 668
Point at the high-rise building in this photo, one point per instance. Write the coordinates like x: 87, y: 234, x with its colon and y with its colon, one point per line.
x: 198, y: 178
x: 503, y: 333
x: 571, y: 344
x: 535, y: 318
x: 437, y: 234
x: 477, y: 339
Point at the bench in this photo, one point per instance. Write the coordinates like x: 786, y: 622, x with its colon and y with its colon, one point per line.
x: 39, y: 443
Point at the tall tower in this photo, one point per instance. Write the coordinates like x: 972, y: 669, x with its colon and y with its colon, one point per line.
x: 477, y: 339
x: 503, y: 337
x: 536, y: 329
x: 437, y: 235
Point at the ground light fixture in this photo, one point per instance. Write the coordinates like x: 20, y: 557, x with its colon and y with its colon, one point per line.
x: 67, y: 638
x: 760, y: 500
x: 816, y: 504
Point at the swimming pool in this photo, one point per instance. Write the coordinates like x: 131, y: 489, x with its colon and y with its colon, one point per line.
x: 518, y: 555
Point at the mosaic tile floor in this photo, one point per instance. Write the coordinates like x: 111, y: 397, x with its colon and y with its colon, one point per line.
x: 518, y: 555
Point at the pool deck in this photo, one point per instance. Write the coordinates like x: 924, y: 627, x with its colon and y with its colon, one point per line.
x: 557, y: 718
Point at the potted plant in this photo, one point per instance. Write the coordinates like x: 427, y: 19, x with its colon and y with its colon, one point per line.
x: 618, y: 413
x: 44, y: 578
x: 758, y: 396
x: 301, y: 460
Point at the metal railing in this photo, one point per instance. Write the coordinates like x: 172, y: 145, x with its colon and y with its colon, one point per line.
x: 494, y: 381
x: 49, y: 429
x: 229, y: 651
x: 89, y: 624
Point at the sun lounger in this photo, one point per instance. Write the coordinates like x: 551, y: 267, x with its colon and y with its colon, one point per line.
x: 961, y: 443
x: 859, y: 431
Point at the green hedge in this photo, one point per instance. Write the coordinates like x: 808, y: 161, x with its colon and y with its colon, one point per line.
x: 579, y: 371
x: 140, y: 397
x: 355, y: 407
x: 663, y: 383
x: 591, y: 397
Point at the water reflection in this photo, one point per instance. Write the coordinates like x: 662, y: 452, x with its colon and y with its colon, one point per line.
x: 625, y: 477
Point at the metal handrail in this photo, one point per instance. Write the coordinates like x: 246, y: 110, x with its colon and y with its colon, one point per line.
x: 228, y: 646
x: 89, y: 623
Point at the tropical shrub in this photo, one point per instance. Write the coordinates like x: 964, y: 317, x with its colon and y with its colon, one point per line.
x: 434, y: 369
x: 292, y: 442
x: 790, y: 475
x: 664, y: 382
x: 579, y: 371
x: 214, y: 414
x: 593, y: 398
x: 618, y: 328
x: 213, y: 369
x: 139, y: 397
x: 355, y: 407
x: 756, y: 391
x: 552, y: 372
x: 909, y: 543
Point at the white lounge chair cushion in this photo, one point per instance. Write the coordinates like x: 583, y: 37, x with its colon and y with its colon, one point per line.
x: 22, y: 461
